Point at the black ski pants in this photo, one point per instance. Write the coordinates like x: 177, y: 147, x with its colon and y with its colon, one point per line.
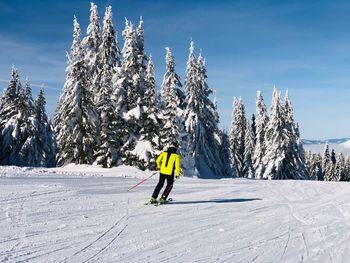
x: 169, y: 186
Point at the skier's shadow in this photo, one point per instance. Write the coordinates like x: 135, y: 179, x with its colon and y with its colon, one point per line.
x: 219, y: 201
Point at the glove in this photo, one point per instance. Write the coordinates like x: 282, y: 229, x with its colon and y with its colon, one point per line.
x: 177, y: 176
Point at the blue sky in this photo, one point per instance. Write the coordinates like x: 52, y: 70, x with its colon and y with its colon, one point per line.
x: 302, y: 46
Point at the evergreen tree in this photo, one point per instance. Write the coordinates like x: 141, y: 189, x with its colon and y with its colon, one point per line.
x: 253, y: 127
x: 109, y: 152
x: 28, y: 146
x: 76, y: 118
x: 249, y: 151
x: 144, y: 153
x: 133, y: 68
x: 225, y: 154
x: 295, y: 154
x: 340, y: 168
x: 237, y: 137
x: 285, y: 158
x: 91, y: 44
x: 346, y: 172
x: 45, y: 137
x: 260, y: 147
x: 333, y: 157
x: 11, y: 120
x: 201, y: 119
x: 142, y: 61
x: 130, y: 66
x: 314, y: 166
x: 170, y: 132
x: 276, y: 141
x: 327, y: 165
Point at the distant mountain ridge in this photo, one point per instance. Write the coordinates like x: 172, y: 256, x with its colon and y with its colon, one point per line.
x: 329, y: 141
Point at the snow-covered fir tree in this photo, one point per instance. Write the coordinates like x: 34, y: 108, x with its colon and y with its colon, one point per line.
x: 295, y: 154
x: 225, y: 154
x: 237, y: 137
x: 280, y: 142
x: 346, y: 172
x: 171, y: 112
x: 253, y: 127
x: 333, y: 157
x: 147, y: 147
x: 201, y: 119
x: 29, y: 128
x: 327, y: 165
x: 133, y: 79
x: 10, y: 120
x: 46, y: 140
x: 260, y: 147
x: 109, y: 152
x: 21, y: 128
x: 76, y: 119
x: 131, y: 67
x: 91, y: 44
x: 249, y: 147
x: 140, y: 48
x: 340, y: 168
x: 314, y: 166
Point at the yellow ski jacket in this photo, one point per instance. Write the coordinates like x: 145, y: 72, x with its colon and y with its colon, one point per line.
x: 166, y: 165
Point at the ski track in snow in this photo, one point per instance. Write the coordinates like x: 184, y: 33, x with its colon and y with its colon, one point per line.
x: 95, y: 219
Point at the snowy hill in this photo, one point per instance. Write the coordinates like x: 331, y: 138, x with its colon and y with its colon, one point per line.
x: 339, y: 145
x: 66, y: 215
x: 323, y: 142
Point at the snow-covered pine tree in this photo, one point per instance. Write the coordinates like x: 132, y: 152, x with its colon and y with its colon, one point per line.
x: 194, y: 104
x: 346, y: 170
x: 253, y: 127
x: 133, y: 71
x: 109, y: 151
x: 295, y: 154
x: 314, y: 166
x: 225, y: 154
x: 327, y: 165
x: 76, y: 119
x: 142, y: 62
x: 144, y: 153
x: 171, y: 113
x: 276, y: 141
x: 10, y: 120
x: 260, y: 147
x: 91, y: 44
x: 130, y: 66
x: 237, y: 137
x: 340, y: 168
x: 249, y: 151
x: 29, y: 153
x: 46, y: 140
x: 201, y: 119
x: 109, y: 55
x: 333, y: 157
x: 171, y: 80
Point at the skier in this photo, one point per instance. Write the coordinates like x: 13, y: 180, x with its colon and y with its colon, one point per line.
x: 168, y: 163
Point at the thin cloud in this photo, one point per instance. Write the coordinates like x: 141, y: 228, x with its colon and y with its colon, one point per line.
x: 35, y: 85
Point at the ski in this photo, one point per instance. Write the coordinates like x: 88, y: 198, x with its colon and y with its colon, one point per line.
x: 168, y: 201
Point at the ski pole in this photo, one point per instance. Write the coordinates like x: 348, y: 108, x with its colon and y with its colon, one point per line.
x: 142, y: 181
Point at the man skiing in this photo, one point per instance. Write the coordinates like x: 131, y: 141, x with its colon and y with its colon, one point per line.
x: 168, y: 163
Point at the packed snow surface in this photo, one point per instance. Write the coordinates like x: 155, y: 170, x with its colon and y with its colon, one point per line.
x: 85, y: 214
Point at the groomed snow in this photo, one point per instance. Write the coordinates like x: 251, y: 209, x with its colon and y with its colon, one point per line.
x: 85, y: 214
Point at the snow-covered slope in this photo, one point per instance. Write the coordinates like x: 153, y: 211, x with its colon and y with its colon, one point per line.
x: 60, y: 215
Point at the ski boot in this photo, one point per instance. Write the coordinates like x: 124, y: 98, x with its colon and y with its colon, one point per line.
x: 162, y: 201
x: 153, y: 201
